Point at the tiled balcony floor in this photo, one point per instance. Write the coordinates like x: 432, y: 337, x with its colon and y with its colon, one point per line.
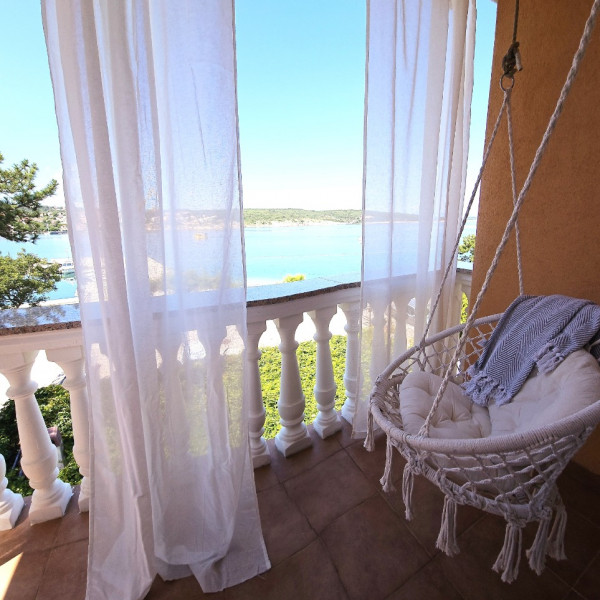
x: 332, y: 534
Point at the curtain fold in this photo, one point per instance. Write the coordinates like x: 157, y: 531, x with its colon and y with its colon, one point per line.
x: 417, y: 114
x: 146, y: 106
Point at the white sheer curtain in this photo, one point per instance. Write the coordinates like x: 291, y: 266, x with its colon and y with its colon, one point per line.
x: 146, y: 106
x: 419, y: 84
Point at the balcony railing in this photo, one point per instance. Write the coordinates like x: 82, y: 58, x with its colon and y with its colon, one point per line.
x: 56, y: 330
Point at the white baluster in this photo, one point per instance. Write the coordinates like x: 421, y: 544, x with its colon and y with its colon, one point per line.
x: 402, y: 318
x: 351, y: 372
x: 39, y: 458
x: 71, y: 361
x: 293, y: 435
x: 11, y: 504
x: 256, y: 416
x: 327, y: 421
x: 211, y: 339
x: 379, y: 351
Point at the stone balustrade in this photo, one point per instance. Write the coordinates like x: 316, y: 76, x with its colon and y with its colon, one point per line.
x: 278, y: 310
x: 23, y: 334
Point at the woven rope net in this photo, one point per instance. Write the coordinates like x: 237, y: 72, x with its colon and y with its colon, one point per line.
x: 513, y: 476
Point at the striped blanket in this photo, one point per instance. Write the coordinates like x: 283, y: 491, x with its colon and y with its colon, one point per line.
x: 534, y: 331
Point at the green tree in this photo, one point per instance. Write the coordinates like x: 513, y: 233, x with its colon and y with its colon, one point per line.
x: 20, y: 201
x: 466, y: 249
x: 26, y: 279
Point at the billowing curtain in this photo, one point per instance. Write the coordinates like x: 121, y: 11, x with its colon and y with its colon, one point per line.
x: 419, y: 84
x: 146, y: 105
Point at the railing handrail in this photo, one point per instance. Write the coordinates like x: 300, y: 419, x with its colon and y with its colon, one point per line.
x: 265, y: 301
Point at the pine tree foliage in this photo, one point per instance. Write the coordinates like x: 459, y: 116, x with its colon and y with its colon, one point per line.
x: 20, y: 201
x: 26, y: 279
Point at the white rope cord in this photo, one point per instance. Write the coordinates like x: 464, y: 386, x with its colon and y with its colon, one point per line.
x: 464, y: 221
x: 583, y: 44
x: 513, y: 180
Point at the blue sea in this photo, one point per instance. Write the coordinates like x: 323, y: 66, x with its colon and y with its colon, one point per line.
x: 323, y: 250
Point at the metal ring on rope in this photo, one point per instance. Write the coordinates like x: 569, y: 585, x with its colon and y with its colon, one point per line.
x: 510, y: 78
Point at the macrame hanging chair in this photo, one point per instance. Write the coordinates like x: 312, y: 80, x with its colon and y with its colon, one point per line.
x: 512, y: 475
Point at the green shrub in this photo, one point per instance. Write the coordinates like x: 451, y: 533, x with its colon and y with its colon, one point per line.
x: 464, y: 309
x: 290, y: 278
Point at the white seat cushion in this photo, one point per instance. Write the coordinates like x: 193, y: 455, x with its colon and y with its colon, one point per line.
x: 456, y: 417
x: 547, y: 398
x: 544, y: 399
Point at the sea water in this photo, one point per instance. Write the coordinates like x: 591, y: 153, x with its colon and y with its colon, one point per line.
x: 272, y: 252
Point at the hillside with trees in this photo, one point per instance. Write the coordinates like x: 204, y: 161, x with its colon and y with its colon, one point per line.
x: 298, y: 216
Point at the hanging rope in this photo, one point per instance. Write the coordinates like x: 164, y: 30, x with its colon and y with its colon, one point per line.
x: 583, y: 44
x: 516, y: 23
x: 513, y: 180
x: 450, y: 265
x: 511, y: 63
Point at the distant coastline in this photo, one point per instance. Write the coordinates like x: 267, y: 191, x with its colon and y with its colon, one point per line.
x: 55, y: 219
x: 253, y: 217
x: 282, y: 217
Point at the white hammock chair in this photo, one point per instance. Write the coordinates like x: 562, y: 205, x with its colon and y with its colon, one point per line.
x: 513, y: 476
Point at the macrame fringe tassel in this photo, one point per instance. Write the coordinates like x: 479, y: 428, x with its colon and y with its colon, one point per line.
x: 446, y: 541
x: 537, y: 553
x: 386, y: 480
x: 408, y: 478
x: 510, y: 555
x: 370, y: 439
x: 556, y: 541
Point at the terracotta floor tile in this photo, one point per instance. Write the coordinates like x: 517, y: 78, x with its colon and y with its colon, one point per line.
x: 22, y: 576
x: 573, y: 595
x: 428, y: 584
x: 27, y: 537
x: 470, y: 572
x: 372, y: 550
x: 329, y: 489
x: 66, y: 572
x: 583, y: 476
x: 344, y: 437
x: 308, y: 575
x: 187, y: 588
x: 589, y: 583
x: 286, y: 468
x: 579, y: 496
x: 372, y: 464
x: 427, y: 506
x: 365, y: 551
x: 582, y: 543
x: 265, y: 477
x: 74, y: 526
x: 285, y: 528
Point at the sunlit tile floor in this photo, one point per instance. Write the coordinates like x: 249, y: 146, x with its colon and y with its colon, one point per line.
x: 332, y: 533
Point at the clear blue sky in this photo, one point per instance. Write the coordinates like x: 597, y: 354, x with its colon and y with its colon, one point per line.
x: 27, y: 119
x: 301, y: 94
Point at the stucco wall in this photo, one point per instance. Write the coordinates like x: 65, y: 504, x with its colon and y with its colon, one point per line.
x: 560, y: 220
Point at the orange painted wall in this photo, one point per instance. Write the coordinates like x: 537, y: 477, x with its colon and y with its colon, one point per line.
x: 560, y: 220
